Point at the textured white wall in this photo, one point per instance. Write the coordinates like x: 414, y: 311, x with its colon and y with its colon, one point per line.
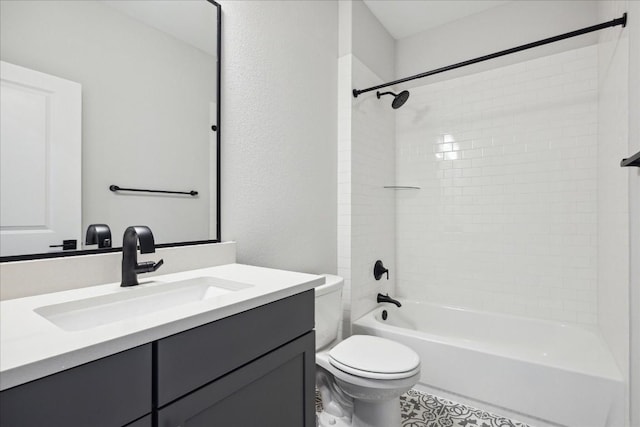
x: 502, y: 27
x: 279, y: 132
x: 505, y: 219
x: 634, y: 206
x: 613, y: 186
x: 372, y: 44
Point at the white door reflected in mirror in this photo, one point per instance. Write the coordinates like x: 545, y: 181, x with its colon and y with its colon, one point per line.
x: 40, y: 126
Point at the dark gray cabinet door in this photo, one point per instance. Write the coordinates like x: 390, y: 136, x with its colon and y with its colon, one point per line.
x: 109, y: 392
x: 193, y: 358
x: 276, y: 390
x: 142, y: 422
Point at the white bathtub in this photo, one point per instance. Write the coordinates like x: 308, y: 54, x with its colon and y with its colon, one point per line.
x: 556, y: 372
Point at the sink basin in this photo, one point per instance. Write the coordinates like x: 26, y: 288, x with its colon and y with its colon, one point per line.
x: 134, y: 302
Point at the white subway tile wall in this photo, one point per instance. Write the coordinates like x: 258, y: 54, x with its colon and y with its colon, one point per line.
x: 344, y: 186
x: 506, y: 217
x: 366, y: 210
x: 613, y: 186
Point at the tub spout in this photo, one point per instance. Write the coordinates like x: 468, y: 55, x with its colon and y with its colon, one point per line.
x: 387, y: 298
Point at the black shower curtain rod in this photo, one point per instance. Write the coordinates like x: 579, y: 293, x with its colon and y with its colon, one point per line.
x: 618, y: 21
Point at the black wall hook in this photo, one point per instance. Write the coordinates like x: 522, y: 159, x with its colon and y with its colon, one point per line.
x: 379, y: 270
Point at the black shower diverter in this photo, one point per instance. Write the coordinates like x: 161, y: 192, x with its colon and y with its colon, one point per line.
x: 379, y: 270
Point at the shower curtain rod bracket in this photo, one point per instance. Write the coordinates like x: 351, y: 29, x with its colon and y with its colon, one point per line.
x: 617, y: 21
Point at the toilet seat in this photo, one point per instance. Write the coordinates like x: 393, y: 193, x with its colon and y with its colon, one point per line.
x: 373, y: 357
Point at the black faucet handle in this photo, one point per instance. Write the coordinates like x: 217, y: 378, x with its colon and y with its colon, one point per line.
x: 148, y: 266
x: 379, y: 270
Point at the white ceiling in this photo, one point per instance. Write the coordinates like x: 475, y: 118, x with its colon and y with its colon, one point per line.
x: 404, y: 18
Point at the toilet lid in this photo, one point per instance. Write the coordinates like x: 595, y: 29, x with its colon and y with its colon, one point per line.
x: 374, y: 357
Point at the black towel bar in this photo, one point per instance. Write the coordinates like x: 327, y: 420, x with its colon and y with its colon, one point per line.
x: 117, y: 188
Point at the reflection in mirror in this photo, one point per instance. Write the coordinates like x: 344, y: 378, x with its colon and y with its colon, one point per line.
x: 100, y: 93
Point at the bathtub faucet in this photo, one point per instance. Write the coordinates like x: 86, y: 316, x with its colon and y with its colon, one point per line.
x: 387, y: 298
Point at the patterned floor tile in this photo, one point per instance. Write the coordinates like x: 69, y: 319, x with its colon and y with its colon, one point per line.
x: 425, y: 410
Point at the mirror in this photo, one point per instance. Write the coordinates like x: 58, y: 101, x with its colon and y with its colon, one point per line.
x: 104, y: 93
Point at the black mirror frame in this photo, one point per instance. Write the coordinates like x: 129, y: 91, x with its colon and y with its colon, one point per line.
x: 60, y: 254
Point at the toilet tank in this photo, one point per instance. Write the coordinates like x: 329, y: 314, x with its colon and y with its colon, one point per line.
x: 328, y: 310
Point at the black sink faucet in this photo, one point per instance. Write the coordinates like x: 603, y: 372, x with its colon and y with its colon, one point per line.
x: 98, y: 234
x: 387, y: 298
x: 130, y: 266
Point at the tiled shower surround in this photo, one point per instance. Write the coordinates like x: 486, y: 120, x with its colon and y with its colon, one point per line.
x: 505, y: 219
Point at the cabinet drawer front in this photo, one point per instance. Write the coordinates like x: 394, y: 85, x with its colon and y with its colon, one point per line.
x: 193, y: 358
x: 108, y: 392
x: 276, y: 390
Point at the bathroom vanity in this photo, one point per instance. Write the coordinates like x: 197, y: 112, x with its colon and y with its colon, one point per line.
x: 244, y: 357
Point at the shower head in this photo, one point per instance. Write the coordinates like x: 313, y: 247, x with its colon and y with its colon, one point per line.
x: 398, y: 100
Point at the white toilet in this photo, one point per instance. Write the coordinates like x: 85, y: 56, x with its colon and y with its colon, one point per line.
x: 361, y: 378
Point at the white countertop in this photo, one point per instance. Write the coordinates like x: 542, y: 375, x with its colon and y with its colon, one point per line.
x: 32, y: 347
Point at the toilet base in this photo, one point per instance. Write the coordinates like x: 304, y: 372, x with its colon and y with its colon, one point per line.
x: 366, y: 414
x: 376, y: 413
x: 324, y: 419
x: 351, y: 401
